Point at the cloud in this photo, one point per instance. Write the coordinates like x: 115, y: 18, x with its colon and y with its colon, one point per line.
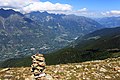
x: 83, y: 10
x: 14, y: 3
x: 115, y: 12
x: 47, y: 6
x: 111, y: 13
x: 34, y: 5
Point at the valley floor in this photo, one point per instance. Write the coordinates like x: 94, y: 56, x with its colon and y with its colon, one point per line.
x: 108, y: 69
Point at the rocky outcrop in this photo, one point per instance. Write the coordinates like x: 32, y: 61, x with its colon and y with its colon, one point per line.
x: 6, y: 69
x: 38, y: 66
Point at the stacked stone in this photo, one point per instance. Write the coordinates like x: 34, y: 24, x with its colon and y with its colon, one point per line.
x: 38, y: 66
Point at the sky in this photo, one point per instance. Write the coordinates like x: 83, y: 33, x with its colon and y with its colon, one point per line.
x: 89, y: 8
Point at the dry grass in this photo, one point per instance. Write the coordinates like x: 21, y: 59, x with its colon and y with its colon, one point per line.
x: 92, y: 70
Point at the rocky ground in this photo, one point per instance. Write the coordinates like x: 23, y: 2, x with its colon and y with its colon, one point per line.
x: 108, y: 69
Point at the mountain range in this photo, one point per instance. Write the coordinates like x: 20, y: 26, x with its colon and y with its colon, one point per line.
x: 109, y: 21
x: 25, y: 34
x: 100, y: 44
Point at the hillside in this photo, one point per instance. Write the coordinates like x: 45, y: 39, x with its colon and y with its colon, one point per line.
x: 108, y: 38
x: 108, y: 69
x: 25, y: 34
x: 101, y: 44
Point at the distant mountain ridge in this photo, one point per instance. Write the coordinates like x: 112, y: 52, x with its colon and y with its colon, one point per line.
x: 109, y: 21
x: 24, y: 34
x: 7, y: 13
x: 65, y: 23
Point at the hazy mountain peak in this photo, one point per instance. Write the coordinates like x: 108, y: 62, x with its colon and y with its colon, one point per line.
x: 6, y: 13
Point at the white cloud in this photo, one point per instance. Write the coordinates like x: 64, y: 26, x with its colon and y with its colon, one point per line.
x: 80, y: 12
x: 47, y: 6
x: 83, y: 10
x: 14, y: 3
x: 34, y: 5
x: 111, y: 13
x: 116, y: 12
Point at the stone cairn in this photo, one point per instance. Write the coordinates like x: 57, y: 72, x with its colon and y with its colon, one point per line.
x: 38, y: 66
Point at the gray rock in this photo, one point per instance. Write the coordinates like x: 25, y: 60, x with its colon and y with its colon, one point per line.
x: 6, y: 69
x: 103, y: 70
